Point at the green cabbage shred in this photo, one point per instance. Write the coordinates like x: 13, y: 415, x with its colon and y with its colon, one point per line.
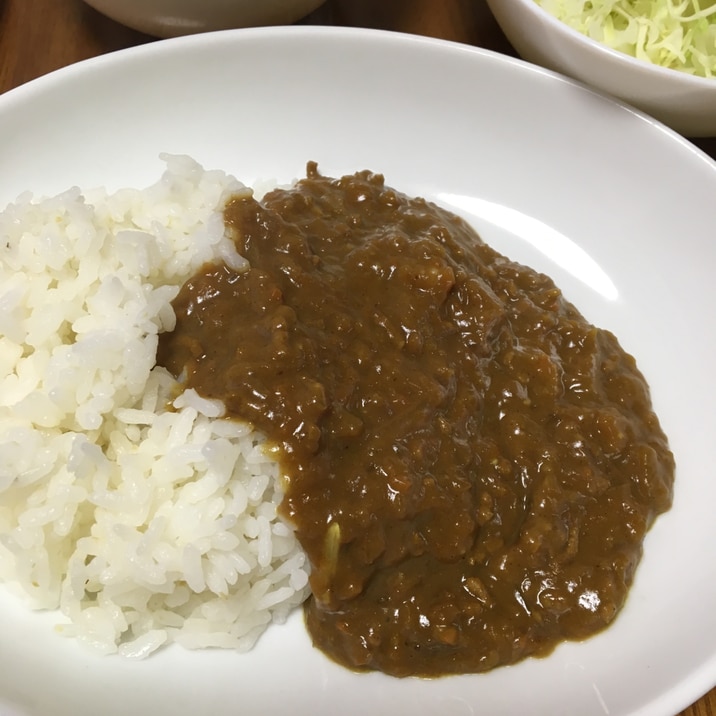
x: 680, y: 35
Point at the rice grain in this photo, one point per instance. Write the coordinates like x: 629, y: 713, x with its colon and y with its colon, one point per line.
x: 132, y: 508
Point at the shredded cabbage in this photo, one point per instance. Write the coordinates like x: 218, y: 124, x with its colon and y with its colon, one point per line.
x: 679, y: 34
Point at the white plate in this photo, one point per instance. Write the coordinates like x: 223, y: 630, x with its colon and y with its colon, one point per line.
x: 620, y: 211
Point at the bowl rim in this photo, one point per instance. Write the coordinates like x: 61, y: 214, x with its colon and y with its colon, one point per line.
x: 667, y: 73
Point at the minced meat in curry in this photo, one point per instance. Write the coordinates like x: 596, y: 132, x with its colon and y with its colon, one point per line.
x: 471, y: 466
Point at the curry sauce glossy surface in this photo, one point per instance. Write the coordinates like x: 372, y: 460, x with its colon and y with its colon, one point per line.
x: 471, y: 466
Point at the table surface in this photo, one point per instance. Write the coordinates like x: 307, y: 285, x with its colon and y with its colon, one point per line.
x: 39, y: 36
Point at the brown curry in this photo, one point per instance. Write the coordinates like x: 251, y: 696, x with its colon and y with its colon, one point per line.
x: 471, y: 466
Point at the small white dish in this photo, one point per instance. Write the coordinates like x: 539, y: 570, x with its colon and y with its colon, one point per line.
x: 170, y: 18
x: 685, y: 102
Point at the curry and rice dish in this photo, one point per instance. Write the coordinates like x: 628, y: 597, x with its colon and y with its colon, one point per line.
x: 471, y: 467
x: 370, y: 400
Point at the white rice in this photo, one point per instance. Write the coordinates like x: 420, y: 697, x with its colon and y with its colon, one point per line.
x: 142, y: 522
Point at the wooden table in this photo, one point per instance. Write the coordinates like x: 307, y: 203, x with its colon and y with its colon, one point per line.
x: 38, y: 36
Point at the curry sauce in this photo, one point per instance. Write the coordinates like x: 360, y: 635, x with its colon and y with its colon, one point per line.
x: 470, y: 466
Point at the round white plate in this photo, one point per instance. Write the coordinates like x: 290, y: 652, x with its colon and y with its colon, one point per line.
x: 618, y: 210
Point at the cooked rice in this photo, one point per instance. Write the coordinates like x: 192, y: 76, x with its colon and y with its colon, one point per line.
x: 143, y: 517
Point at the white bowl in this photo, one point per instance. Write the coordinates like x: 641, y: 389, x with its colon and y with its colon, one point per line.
x: 555, y: 177
x: 682, y: 101
x: 170, y: 18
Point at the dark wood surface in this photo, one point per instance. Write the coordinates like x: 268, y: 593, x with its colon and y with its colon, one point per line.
x: 39, y: 36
